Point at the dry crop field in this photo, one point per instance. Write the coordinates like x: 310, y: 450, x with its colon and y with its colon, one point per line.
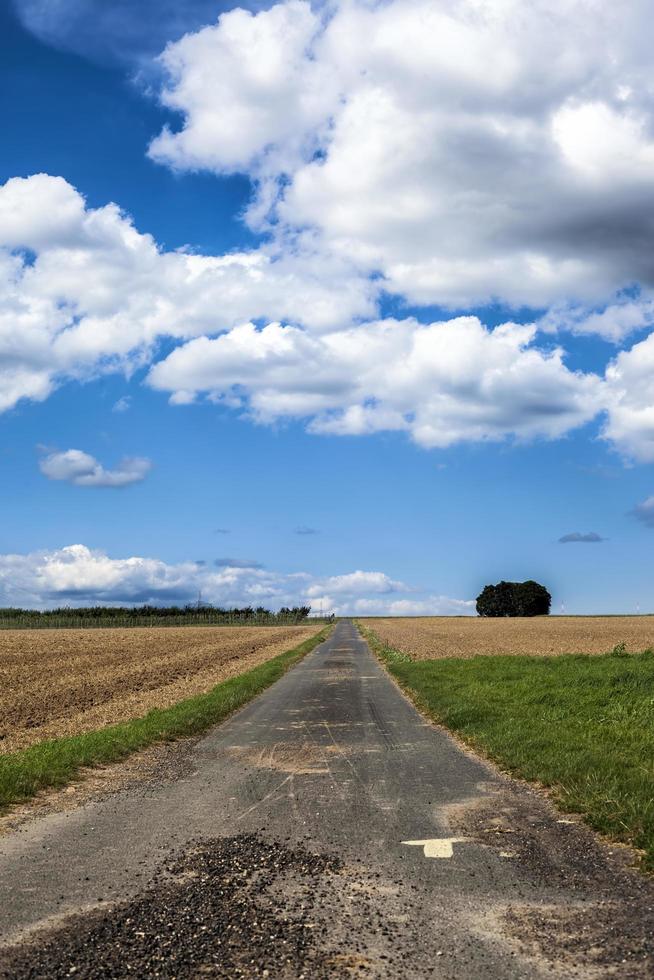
x: 65, y: 682
x: 435, y: 637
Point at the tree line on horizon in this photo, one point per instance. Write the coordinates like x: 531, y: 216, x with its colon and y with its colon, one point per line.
x: 146, y: 614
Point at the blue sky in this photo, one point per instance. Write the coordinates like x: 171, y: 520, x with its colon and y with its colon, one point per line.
x: 449, y: 363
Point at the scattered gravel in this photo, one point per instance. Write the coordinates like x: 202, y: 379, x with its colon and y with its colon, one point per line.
x: 232, y: 907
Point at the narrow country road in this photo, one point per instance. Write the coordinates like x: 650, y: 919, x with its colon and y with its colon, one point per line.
x: 326, y: 830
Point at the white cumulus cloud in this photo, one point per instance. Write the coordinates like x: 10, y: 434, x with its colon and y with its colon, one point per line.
x: 645, y: 512
x: 273, y: 95
x: 467, y: 151
x: 83, y: 470
x: 441, y: 382
x: 614, y: 322
x: 356, y: 583
x: 630, y: 401
x: 436, y: 605
x: 448, y: 154
x: 78, y: 575
x: 82, y: 291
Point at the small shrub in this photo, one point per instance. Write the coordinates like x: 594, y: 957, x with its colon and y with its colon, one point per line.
x: 619, y: 650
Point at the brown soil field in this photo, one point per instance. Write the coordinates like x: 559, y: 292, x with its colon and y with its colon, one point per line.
x: 435, y: 637
x: 68, y: 681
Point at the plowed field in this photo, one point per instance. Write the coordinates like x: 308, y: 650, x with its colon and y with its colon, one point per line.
x: 64, y: 682
x: 435, y: 637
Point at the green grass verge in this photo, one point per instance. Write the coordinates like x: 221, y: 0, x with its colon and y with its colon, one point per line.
x: 57, y: 761
x: 581, y: 725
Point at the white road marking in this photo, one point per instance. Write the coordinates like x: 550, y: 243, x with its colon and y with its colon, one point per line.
x: 437, y: 847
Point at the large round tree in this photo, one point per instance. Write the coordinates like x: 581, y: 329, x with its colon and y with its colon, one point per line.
x: 514, y: 599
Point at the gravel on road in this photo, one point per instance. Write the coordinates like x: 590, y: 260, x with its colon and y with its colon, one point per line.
x: 230, y: 907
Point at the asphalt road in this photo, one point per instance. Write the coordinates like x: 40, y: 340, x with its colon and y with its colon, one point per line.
x: 326, y: 830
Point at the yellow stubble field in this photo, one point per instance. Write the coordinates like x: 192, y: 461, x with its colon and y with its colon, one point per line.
x: 67, y: 681
x: 435, y: 637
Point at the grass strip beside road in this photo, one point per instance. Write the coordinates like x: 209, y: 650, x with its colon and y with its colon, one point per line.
x: 581, y: 725
x: 56, y: 762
